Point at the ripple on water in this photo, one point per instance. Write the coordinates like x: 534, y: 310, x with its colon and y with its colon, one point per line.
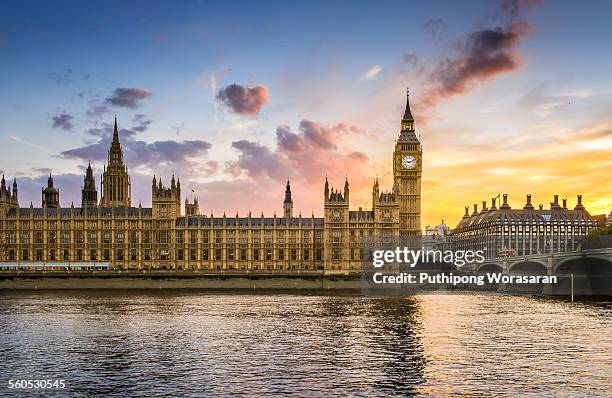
x: 115, y: 344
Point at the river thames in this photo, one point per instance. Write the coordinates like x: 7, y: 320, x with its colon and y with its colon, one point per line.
x: 193, y: 344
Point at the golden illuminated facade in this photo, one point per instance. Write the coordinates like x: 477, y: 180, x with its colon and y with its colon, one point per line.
x: 407, y: 171
x: 162, y: 237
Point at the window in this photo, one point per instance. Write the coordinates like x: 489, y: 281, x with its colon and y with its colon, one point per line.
x: 318, y: 254
x: 256, y: 254
x: 218, y: 254
x: 281, y: 254
x: 39, y: 255
x: 230, y: 254
x: 205, y: 255
x: 147, y: 254
x: 106, y: 255
x: 93, y: 238
x: 335, y: 254
x: 119, y: 237
x: 243, y: 254
x: 133, y: 255
x: 52, y: 255
x: 306, y: 255
x: 336, y: 235
x: 25, y: 255
x: 180, y: 255
x: 93, y: 255
x: 293, y: 254
x: 79, y: 255
x: 268, y: 254
x: 133, y: 237
x: 192, y: 255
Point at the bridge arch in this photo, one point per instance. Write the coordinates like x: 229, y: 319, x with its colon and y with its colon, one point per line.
x: 490, y: 268
x: 578, y: 263
x: 591, y: 275
x: 528, y: 267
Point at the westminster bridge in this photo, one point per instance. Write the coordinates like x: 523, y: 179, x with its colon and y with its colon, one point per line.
x: 588, y: 270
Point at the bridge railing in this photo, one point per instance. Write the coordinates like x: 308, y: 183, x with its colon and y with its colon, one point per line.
x: 593, y: 242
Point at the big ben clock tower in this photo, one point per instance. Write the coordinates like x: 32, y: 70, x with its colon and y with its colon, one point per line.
x: 407, y: 170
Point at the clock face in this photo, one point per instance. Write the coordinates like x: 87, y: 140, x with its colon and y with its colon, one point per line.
x: 409, y: 162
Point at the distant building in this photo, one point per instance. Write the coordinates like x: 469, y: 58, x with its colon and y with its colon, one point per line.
x: 436, y: 237
x: 517, y: 232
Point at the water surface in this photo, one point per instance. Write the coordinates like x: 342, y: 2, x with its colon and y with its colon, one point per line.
x: 193, y: 344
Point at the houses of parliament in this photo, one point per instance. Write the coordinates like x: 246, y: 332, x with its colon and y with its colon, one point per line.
x: 110, y: 230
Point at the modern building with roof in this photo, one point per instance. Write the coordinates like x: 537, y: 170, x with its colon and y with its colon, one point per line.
x: 112, y: 231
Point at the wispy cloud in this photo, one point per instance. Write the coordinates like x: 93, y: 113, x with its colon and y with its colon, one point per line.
x: 371, y: 73
x: 28, y: 143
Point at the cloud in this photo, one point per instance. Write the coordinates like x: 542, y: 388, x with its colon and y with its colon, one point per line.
x: 127, y: 97
x: 436, y: 27
x: 312, y: 135
x: 143, y: 123
x: 244, y: 100
x: 306, y: 155
x: 28, y: 143
x: 140, y: 153
x: 371, y: 73
x: 97, y: 110
x: 482, y: 55
x: 542, y: 103
x: 63, y: 77
x: 515, y: 7
x: 410, y: 59
x: 62, y: 121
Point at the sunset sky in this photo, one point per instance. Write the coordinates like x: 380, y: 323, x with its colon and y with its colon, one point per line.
x: 510, y: 97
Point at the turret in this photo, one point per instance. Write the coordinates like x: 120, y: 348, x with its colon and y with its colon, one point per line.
x: 326, y: 191
x: 346, y: 189
x: 288, y: 202
x: 50, y: 195
x: 89, y: 194
x: 15, y: 190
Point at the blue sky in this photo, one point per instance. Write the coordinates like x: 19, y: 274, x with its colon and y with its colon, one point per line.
x: 313, y: 60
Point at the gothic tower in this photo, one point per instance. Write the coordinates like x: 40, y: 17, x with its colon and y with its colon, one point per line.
x: 115, y: 180
x: 166, y: 202
x: 407, y: 171
x: 89, y: 194
x: 288, y: 203
x: 50, y: 195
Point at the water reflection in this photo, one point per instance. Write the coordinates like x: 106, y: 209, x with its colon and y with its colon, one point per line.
x: 136, y: 343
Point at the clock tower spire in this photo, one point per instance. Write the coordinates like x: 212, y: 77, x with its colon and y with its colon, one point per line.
x: 407, y: 171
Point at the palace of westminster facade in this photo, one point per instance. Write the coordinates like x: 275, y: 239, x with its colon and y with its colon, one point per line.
x: 112, y: 231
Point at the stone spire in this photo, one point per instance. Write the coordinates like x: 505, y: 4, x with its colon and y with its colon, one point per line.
x: 288, y: 193
x: 116, y: 132
x: 89, y: 193
x: 115, y: 182
x: 407, y: 131
x: 407, y: 112
x: 288, y: 203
